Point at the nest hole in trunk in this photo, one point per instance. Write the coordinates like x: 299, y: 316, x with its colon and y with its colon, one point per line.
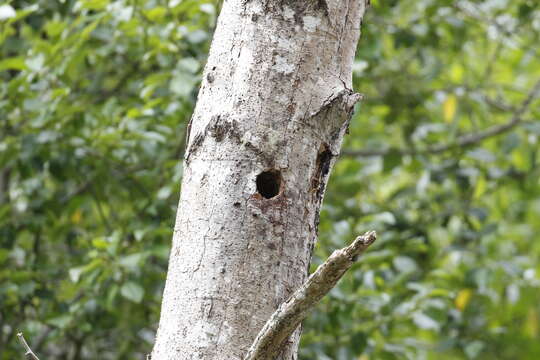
x: 269, y: 183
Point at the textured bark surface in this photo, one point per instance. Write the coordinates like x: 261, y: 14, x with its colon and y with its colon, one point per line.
x: 276, y: 97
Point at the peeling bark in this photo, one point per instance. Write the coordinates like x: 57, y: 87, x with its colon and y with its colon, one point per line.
x: 276, y: 98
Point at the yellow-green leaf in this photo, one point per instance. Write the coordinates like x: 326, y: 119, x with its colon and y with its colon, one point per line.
x: 449, y: 107
x: 462, y: 299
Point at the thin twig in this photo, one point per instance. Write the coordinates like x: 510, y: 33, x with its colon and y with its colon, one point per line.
x: 464, y: 140
x: 289, y: 315
x: 28, y: 352
x: 492, y: 61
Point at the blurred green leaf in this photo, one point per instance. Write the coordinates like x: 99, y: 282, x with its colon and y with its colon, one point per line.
x: 132, y: 291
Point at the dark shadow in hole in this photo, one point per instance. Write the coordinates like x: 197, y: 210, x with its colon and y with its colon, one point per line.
x: 269, y: 183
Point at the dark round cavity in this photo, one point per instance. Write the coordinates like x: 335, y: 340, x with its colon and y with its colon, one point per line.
x: 269, y: 183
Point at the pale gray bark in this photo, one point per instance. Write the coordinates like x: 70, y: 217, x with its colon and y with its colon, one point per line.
x: 276, y: 98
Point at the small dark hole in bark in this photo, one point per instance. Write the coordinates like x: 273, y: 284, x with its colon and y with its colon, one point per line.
x: 269, y: 183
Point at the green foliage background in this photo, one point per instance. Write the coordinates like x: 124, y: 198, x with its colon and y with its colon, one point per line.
x: 94, y: 100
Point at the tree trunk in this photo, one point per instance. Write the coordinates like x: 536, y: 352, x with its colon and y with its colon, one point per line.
x: 274, y: 105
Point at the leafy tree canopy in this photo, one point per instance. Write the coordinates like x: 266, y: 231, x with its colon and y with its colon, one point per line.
x: 442, y: 160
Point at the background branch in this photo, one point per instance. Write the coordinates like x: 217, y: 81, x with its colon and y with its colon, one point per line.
x: 462, y: 141
x: 290, y: 314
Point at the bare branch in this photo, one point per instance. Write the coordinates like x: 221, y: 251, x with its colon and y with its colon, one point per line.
x: 28, y: 352
x: 290, y: 314
x: 464, y: 140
